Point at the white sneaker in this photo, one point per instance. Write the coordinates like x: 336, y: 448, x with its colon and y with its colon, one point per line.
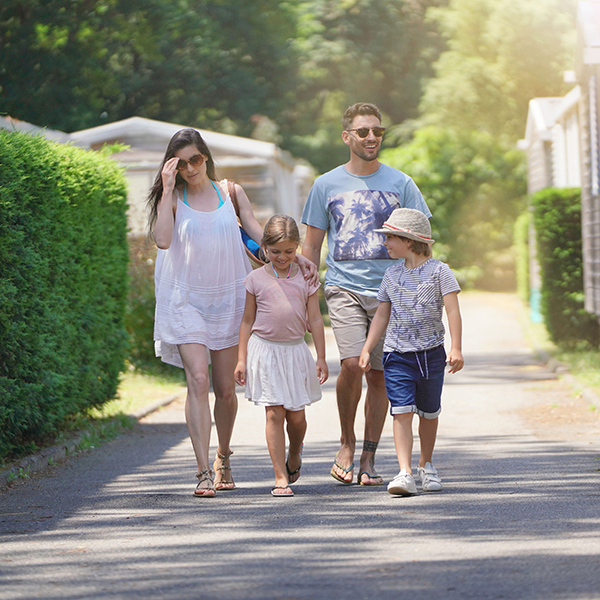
x: 429, y: 478
x: 402, y: 485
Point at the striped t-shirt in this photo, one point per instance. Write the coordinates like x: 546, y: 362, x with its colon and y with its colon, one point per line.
x: 417, y: 302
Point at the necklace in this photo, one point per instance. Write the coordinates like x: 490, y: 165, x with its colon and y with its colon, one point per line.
x: 276, y: 275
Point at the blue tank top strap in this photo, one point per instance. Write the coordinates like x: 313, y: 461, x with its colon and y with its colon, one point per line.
x: 218, y: 194
x: 216, y: 190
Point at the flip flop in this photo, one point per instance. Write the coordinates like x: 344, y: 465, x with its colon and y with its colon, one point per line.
x: 360, y: 481
x: 297, y: 471
x: 284, y: 494
x: 292, y: 473
x: 346, y: 470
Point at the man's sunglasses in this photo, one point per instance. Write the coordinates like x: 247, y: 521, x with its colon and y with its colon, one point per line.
x: 363, y: 132
x: 195, y: 161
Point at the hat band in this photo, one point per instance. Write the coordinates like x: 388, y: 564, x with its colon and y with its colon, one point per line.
x: 419, y: 235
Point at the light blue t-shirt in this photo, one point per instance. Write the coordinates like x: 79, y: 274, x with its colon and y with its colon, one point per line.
x: 350, y: 207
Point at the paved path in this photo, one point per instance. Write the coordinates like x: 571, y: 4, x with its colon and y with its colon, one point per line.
x: 519, y: 516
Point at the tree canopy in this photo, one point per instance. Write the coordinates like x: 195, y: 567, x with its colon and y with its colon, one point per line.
x: 253, y: 67
x: 78, y: 63
x: 462, y: 149
x: 501, y: 54
x: 452, y: 77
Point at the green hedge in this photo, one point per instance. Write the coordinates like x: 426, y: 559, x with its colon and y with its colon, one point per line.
x: 557, y: 218
x: 139, y: 316
x: 63, y: 285
x: 521, y: 245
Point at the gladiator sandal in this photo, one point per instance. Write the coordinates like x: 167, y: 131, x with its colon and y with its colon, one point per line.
x: 224, y: 483
x: 205, y: 492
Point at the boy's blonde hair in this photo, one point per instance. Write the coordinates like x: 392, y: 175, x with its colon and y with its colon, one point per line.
x: 278, y: 229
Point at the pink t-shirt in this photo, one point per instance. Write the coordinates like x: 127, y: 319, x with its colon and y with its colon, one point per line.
x: 280, y: 304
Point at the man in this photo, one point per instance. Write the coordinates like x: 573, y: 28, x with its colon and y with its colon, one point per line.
x: 348, y: 203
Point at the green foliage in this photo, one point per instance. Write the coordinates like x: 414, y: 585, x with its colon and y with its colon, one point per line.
x: 502, y: 53
x: 63, y: 285
x: 376, y: 51
x: 139, y: 319
x: 76, y: 64
x: 475, y: 189
x: 521, y: 244
x: 100, y: 430
x: 237, y: 66
x: 139, y: 315
x: 557, y: 218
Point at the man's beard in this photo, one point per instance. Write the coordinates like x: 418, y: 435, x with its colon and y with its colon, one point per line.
x: 366, y: 157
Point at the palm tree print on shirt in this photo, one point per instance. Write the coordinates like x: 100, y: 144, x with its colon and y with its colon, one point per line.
x: 356, y: 214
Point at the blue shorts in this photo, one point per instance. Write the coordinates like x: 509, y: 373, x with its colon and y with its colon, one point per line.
x: 414, y: 381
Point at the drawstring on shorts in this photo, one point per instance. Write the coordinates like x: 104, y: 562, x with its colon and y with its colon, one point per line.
x: 426, y: 374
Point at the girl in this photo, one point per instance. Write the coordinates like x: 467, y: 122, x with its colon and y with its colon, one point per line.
x: 200, y: 270
x: 273, y: 360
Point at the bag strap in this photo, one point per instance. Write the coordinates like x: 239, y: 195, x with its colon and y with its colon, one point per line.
x: 233, y: 196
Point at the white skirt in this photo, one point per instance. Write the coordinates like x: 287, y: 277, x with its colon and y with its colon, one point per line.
x: 281, y: 374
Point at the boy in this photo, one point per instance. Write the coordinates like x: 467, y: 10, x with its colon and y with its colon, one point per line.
x: 411, y: 299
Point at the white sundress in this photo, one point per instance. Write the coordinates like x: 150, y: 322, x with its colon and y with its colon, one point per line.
x: 199, y: 282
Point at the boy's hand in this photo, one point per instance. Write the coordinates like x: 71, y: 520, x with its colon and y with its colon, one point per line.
x: 240, y: 373
x: 364, y: 361
x: 455, y: 361
x: 322, y: 370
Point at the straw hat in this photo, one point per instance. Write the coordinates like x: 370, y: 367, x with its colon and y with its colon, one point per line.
x: 408, y: 223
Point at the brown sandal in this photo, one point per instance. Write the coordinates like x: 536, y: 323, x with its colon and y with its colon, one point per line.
x: 208, y: 492
x: 223, y: 484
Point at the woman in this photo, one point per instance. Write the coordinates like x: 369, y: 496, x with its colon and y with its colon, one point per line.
x: 200, y: 294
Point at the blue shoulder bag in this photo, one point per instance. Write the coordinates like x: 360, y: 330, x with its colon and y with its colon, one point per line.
x: 253, y: 250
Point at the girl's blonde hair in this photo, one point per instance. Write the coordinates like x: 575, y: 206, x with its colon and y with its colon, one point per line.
x: 278, y: 229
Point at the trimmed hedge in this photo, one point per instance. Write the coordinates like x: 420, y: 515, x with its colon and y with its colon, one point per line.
x: 63, y: 285
x: 557, y: 218
x: 521, y: 245
x: 139, y: 315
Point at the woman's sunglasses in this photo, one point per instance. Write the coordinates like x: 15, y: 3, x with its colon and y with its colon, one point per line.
x: 195, y: 161
x: 363, y: 132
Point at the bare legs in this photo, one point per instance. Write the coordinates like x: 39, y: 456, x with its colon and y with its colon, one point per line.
x: 348, y: 389
x: 197, y: 408
x: 403, y: 439
x: 427, y: 436
x: 296, y: 428
x: 226, y: 405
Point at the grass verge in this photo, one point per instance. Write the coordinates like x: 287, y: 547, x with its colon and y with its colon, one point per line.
x: 583, y: 363
x: 136, y: 390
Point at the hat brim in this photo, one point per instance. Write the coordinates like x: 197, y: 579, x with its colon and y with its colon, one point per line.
x: 405, y: 234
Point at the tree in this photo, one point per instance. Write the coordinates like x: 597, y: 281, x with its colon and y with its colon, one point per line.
x: 501, y: 53
x: 78, y: 63
x: 376, y: 51
x: 475, y: 189
x: 275, y: 69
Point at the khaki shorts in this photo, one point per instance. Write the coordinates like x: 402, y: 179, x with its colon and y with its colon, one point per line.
x: 351, y: 315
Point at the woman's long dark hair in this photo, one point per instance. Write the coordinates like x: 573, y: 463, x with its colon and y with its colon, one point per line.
x: 183, y: 138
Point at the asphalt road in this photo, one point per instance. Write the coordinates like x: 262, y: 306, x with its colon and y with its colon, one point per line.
x: 518, y: 518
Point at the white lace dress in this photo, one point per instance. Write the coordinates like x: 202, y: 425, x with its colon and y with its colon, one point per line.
x: 199, y: 282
